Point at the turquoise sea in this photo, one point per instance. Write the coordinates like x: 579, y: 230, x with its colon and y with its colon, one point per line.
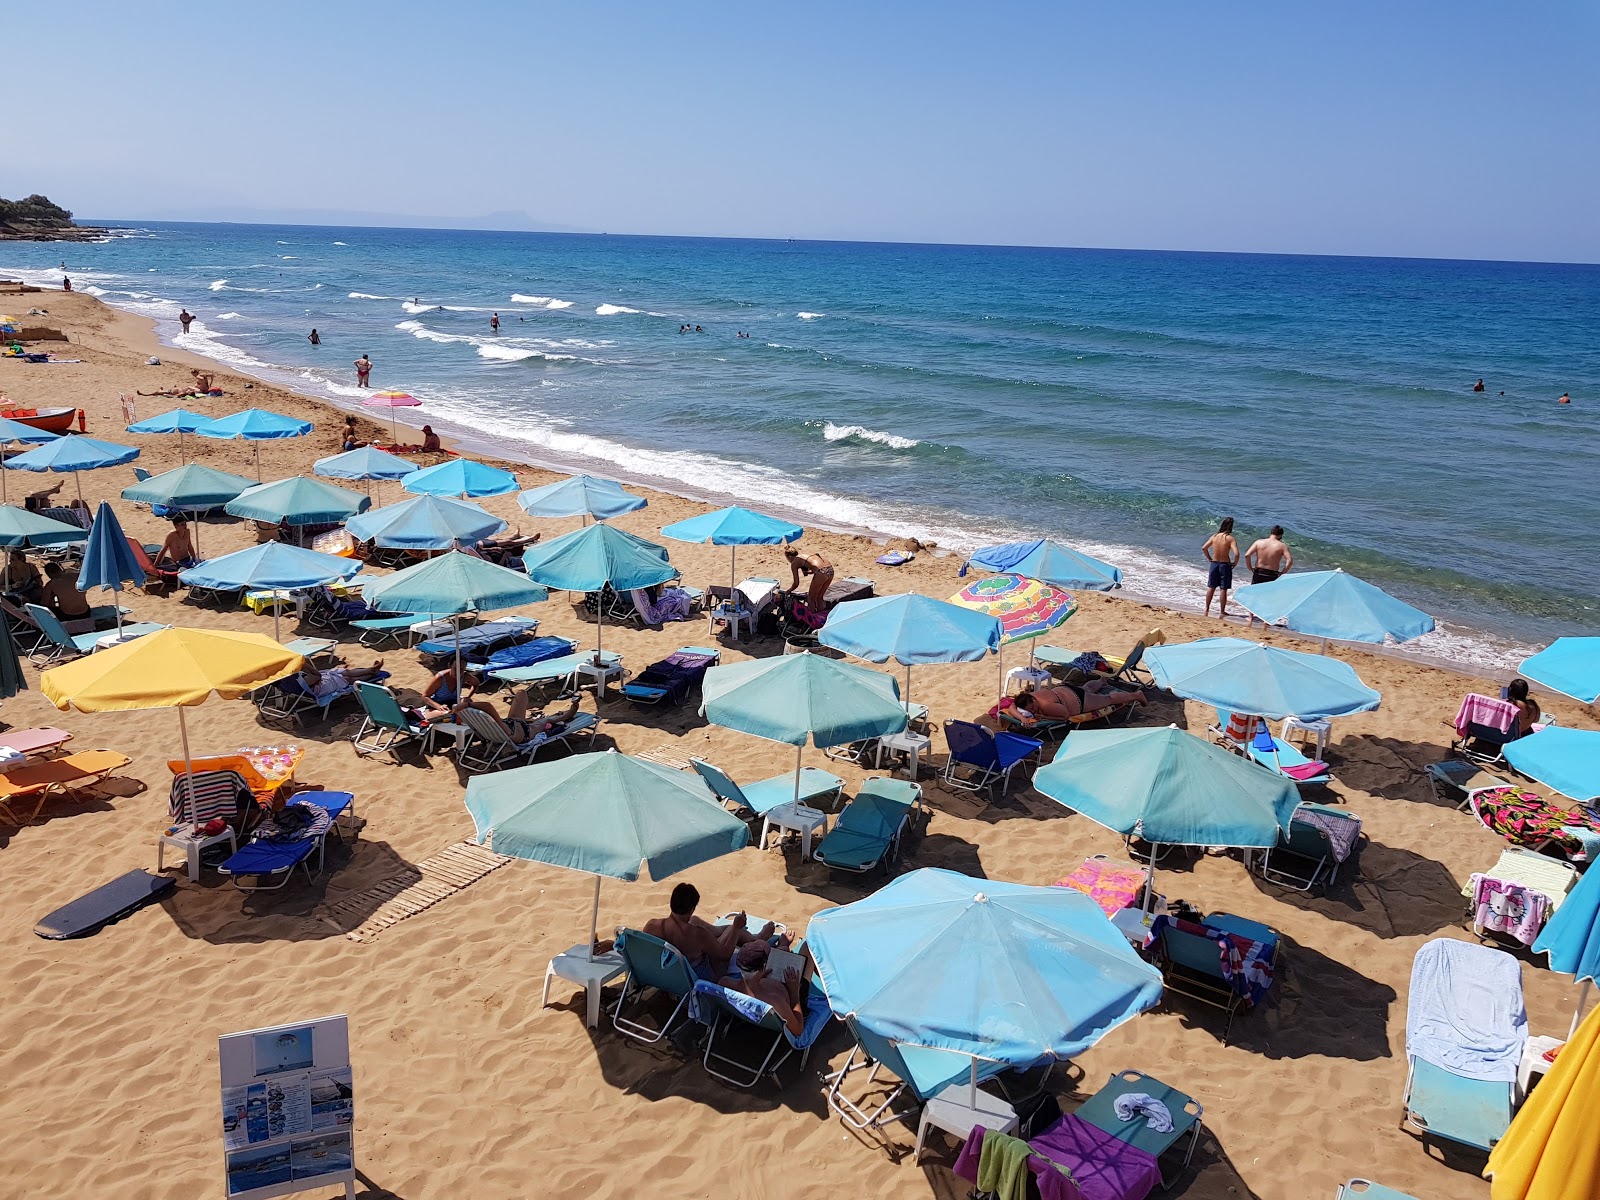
x: 1121, y: 401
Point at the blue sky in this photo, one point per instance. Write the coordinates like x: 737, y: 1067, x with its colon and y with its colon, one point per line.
x: 1464, y: 129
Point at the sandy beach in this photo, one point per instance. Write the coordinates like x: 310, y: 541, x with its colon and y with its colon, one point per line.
x: 468, y: 1088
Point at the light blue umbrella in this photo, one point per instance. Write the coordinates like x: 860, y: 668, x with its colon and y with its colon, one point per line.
x: 425, y: 523
x: 255, y: 425
x: 364, y: 462
x: 1048, y: 562
x: 192, y: 488
x: 108, y: 560
x: 588, y: 559
x: 1334, y: 606
x: 1169, y: 788
x: 73, y: 454
x: 580, y: 496
x: 460, y: 477
x: 453, y: 585
x: 19, y: 527
x: 795, y: 696
x: 179, y: 421
x: 1247, y: 677
x: 1565, y: 759
x: 911, y: 629
x: 732, y: 527
x: 996, y: 972
x: 15, y: 433
x: 1570, y: 665
x: 299, y: 500
x: 271, y: 565
x: 606, y: 814
x: 1571, y: 938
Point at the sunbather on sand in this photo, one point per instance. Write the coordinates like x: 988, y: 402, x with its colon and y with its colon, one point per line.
x: 1078, y: 696
x: 171, y: 391
x: 322, y: 684
x: 709, y: 948
x: 755, y: 978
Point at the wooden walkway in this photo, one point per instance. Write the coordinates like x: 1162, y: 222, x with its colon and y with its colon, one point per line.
x: 416, y: 890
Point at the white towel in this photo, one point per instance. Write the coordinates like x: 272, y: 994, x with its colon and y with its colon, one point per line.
x: 1138, y: 1104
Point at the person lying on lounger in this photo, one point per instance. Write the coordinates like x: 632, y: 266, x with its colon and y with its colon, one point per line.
x: 42, y: 499
x: 709, y: 948
x: 322, y: 684
x: 755, y: 978
x: 1077, y: 697
x: 501, y: 549
x: 518, y: 724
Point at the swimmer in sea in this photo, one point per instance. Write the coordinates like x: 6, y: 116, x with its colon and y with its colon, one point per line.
x: 1478, y: 387
x: 1565, y: 399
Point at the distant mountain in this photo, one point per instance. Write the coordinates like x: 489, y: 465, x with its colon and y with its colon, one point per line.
x: 510, y: 220
x: 37, y: 219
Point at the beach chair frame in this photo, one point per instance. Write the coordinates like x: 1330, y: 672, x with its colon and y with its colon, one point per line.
x: 644, y: 975
x: 386, y: 727
x: 989, y: 758
x: 1303, y: 844
x: 724, y: 1022
x: 1187, y: 1119
x: 490, y: 745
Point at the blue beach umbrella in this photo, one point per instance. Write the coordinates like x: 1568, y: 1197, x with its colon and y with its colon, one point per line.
x: 191, y: 488
x: 425, y: 523
x: 19, y: 527
x: 1247, y: 677
x: 179, y: 421
x: 73, y: 454
x: 1571, y: 938
x: 995, y: 972
x: 1569, y: 665
x: 731, y: 527
x: 580, y: 496
x: 271, y: 565
x: 588, y: 559
x: 1565, y: 759
x: 255, y: 425
x: 911, y: 629
x: 1048, y: 562
x: 365, y: 462
x: 606, y: 814
x: 1335, y: 607
x: 14, y: 433
x: 298, y: 501
x: 460, y: 477
x: 108, y: 560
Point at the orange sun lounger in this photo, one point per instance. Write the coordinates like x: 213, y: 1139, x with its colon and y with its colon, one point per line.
x: 40, y: 780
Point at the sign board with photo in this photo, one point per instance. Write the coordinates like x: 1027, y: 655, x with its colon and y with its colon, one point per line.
x: 288, y: 1109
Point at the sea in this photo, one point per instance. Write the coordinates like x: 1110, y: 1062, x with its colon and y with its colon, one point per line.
x: 1119, y: 401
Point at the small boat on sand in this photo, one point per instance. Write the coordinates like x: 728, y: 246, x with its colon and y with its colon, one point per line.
x: 52, y: 420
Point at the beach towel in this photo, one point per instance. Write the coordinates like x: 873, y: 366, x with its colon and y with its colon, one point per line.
x: 818, y: 1014
x: 1508, y: 908
x: 1246, y: 963
x: 1142, y: 1104
x: 895, y: 558
x: 1465, y: 1012
x: 1526, y: 818
x: 1343, y: 831
x: 1113, y: 886
x: 296, y: 821
x: 214, y: 794
x: 528, y: 653
x: 1487, y: 711
x: 1003, y: 1167
x: 675, y: 605
x: 1051, y: 1177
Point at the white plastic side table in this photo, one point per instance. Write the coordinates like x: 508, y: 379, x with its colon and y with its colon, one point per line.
x: 1318, y: 727
x: 804, y: 821
x: 911, y: 744
x: 192, y: 844
x: 600, y: 674
x: 575, y: 966
x: 1534, y: 1063
x: 954, y: 1111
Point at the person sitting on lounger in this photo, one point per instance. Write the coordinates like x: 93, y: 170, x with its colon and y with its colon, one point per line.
x: 1528, y: 711
x: 26, y: 582
x: 323, y: 684
x: 518, y: 724
x: 709, y: 948
x: 61, y: 594
x: 755, y: 978
x: 1077, y: 697
x: 441, y: 697
x: 178, y: 549
x: 659, y: 604
x: 42, y: 499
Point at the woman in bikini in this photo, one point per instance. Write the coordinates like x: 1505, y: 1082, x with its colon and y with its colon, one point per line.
x: 1077, y: 697
x: 814, y: 565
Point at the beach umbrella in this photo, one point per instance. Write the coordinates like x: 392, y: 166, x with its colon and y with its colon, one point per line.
x: 1048, y: 562
x: 366, y: 462
x: 588, y: 559
x: 1571, y: 937
x: 1169, y: 788
x: 993, y: 972
x: 297, y: 501
x: 171, y: 668
x: 392, y: 401
x: 19, y: 527
x: 1550, y: 1151
x: 1334, y: 607
x: 460, y: 477
x: 1025, y: 608
x: 911, y: 629
x: 580, y: 496
x: 1242, y: 676
x: 12, y: 680
x: 14, y: 433
x: 179, y: 421
x: 730, y: 527
x: 795, y: 696
x: 108, y: 559
x: 606, y: 814
x: 425, y: 523
x: 271, y: 565
x: 1567, y: 760
x: 192, y: 488
x: 255, y: 425
x: 1569, y: 665
x: 73, y: 454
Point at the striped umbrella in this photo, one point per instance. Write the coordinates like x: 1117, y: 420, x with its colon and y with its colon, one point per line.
x: 1024, y: 607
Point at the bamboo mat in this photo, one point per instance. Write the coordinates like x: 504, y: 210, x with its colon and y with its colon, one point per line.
x: 418, y: 889
x: 668, y: 754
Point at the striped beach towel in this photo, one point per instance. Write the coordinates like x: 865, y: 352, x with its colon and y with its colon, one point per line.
x: 212, y: 794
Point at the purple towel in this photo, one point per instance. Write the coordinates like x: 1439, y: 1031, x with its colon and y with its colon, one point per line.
x: 1053, y: 1185
x: 1103, y: 1167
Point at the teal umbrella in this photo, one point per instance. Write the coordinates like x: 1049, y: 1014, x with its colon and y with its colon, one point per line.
x: 1570, y: 665
x: 452, y: 585
x: 191, y: 488
x: 580, y: 496
x: 1571, y: 938
x: 796, y: 696
x: 255, y: 425
x: 364, y: 462
x: 14, y: 433
x: 1169, y: 788
x: 73, y: 454
x: 425, y: 523
x: 1242, y: 676
x: 606, y: 814
x: 19, y: 527
x: 731, y: 527
x: 911, y: 629
x: 588, y: 559
x: 179, y: 421
x: 108, y: 559
x: 297, y: 501
x: 1049, y: 562
x: 271, y: 565
x: 460, y: 477
x: 1561, y: 758
x: 1334, y: 606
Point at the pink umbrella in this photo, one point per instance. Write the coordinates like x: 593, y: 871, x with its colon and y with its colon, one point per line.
x: 392, y: 401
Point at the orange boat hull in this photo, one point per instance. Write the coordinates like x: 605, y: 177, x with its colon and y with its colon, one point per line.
x: 51, y: 420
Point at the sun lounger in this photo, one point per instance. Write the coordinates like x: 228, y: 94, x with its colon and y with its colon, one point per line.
x: 1226, y: 961
x: 1526, y: 818
x: 817, y: 788
x: 552, y: 669
x: 479, y: 642
x: 267, y: 857
x: 868, y: 831
x: 338, y: 805
x: 981, y: 759
x: 386, y: 726
x: 40, y: 742
x: 524, y: 654
x: 724, y: 1012
x: 108, y: 903
x: 1465, y: 1031
x: 59, y: 645
x: 923, y: 1074
x: 1319, y: 840
x: 490, y: 745
x: 1278, y: 755
x: 1365, y: 1189
x: 312, y: 648
x: 653, y: 966
x: 194, y: 799
x: 160, y: 579
x: 672, y: 679
x: 69, y: 775
x: 1498, y: 900
x: 1456, y: 779
x: 377, y: 632
x: 289, y: 699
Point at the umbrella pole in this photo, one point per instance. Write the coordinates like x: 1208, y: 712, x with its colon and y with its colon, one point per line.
x: 972, y: 1085
x: 77, y: 482
x: 258, y: 462
x: 907, y: 696
x: 455, y: 622
x: 1150, y: 881
x: 394, y: 433
x: 799, y: 751
x: 275, y: 636
x: 1000, y: 666
x: 733, y: 573
x: 183, y: 451
x: 188, y: 762
x: 116, y: 602
x: 594, y: 919
x: 1577, y: 1013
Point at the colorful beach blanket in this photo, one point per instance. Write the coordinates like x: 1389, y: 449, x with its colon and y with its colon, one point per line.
x: 1113, y: 886
x: 1526, y: 818
x: 1246, y: 964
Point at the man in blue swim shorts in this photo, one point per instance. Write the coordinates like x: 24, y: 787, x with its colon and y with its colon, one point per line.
x: 1222, y: 554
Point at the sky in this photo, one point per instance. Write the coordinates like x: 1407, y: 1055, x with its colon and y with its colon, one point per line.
x: 1461, y: 129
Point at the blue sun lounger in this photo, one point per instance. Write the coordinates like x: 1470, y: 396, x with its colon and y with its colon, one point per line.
x: 723, y: 1011
x: 479, y: 642
x: 868, y: 831
x: 551, y: 669
x: 817, y: 787
x: 524, y: 654
x: 379, y: 631
x: 653, y: 965
x: 1365, y: 1189
x: 263, y: 860
x: 1278, y: 755
x: 672, y: 679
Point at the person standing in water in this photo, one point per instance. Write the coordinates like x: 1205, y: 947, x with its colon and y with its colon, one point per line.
x: 1268, y: 557
x: 1222, y: 555
x: 314, y: 338
x: 494, y: 323
x: 363, y: 370
x: 1478, y: 387
x: 184, y: 318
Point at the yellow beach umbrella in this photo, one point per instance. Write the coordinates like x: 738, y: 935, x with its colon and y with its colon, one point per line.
x: 1551, y: 1151
x: 172, y: 668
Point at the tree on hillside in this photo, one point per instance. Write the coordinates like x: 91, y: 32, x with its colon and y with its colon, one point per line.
x: 33, y: 210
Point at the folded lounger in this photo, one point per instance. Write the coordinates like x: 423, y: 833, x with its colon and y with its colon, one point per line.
x: 867, y: 833
x: 672, y: 679
x: 107, y: 903
x: 1465, y: 1031
x: 817, y: 788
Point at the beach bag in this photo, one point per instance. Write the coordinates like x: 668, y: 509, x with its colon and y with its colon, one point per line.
x: 1037, y: 1114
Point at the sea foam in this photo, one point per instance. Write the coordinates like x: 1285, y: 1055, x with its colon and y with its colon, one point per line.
x: 611, y: 310
x: 842, y: 433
